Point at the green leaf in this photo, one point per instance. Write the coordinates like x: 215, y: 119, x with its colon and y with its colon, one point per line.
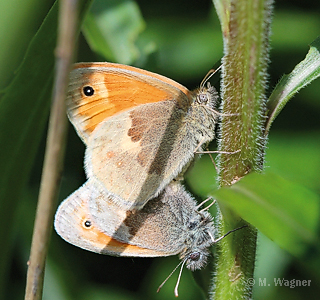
x: 112, y: 28
x: 303, y: 74
x: 285, y: 212
x: 272, y: 262
x: 223, y: 11
x: 295, y: 157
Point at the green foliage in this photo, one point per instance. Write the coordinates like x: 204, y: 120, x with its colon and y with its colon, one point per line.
x: 112, y: 28
x: 287, y: 213
x: 303, y: 74
x: 23, y: 115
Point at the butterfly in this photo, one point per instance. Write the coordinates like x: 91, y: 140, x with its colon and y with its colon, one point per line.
x: 141, y: 129
x: 170, y: 224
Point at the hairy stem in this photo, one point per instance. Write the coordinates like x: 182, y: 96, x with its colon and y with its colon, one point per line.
x: 246, y: 47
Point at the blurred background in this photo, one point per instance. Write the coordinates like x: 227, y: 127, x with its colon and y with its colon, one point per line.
x: 181, y: 40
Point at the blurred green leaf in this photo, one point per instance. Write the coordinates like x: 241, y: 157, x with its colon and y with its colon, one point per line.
x: 296, y: 157
x: 285, y: 212
x: 190, y: 50
x: 203, y: 278
x: 197, y: 178
x: 293, y: 29
x: 18, y: 24
x: 103, y: 293
x: 53, y: 287
x: 303, y: 74
x: 271, y: 263
x: 112, y: 28
x: 188, y: 289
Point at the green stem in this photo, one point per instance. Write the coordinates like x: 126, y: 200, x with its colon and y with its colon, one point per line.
x: 246, y: 47
x: 70, y: 12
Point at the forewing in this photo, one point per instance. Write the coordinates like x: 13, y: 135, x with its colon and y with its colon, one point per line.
x: 115, y: 88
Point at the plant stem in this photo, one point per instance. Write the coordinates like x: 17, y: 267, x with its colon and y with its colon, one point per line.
x: 246, y: 47
x: 68, y: 23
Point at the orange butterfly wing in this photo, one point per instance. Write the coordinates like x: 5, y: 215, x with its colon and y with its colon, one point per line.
x: 116, y: 88
x: 74, y: 212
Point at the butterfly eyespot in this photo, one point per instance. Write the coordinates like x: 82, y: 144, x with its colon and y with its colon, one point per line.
x: 88, y: 90
x: 87, y: 224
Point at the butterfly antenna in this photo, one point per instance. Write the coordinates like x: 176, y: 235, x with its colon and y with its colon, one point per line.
x: 203, y: 202
x: 211, y: 236
x: 199, y: 145
x: 206, y: 208
x: 221, y: 237
x: 179, y: 277
x: 162, y: 284
x: 208, y: 76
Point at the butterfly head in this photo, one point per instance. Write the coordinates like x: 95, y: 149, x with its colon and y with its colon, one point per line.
x: 207, y: 96
x: 199, y: 238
